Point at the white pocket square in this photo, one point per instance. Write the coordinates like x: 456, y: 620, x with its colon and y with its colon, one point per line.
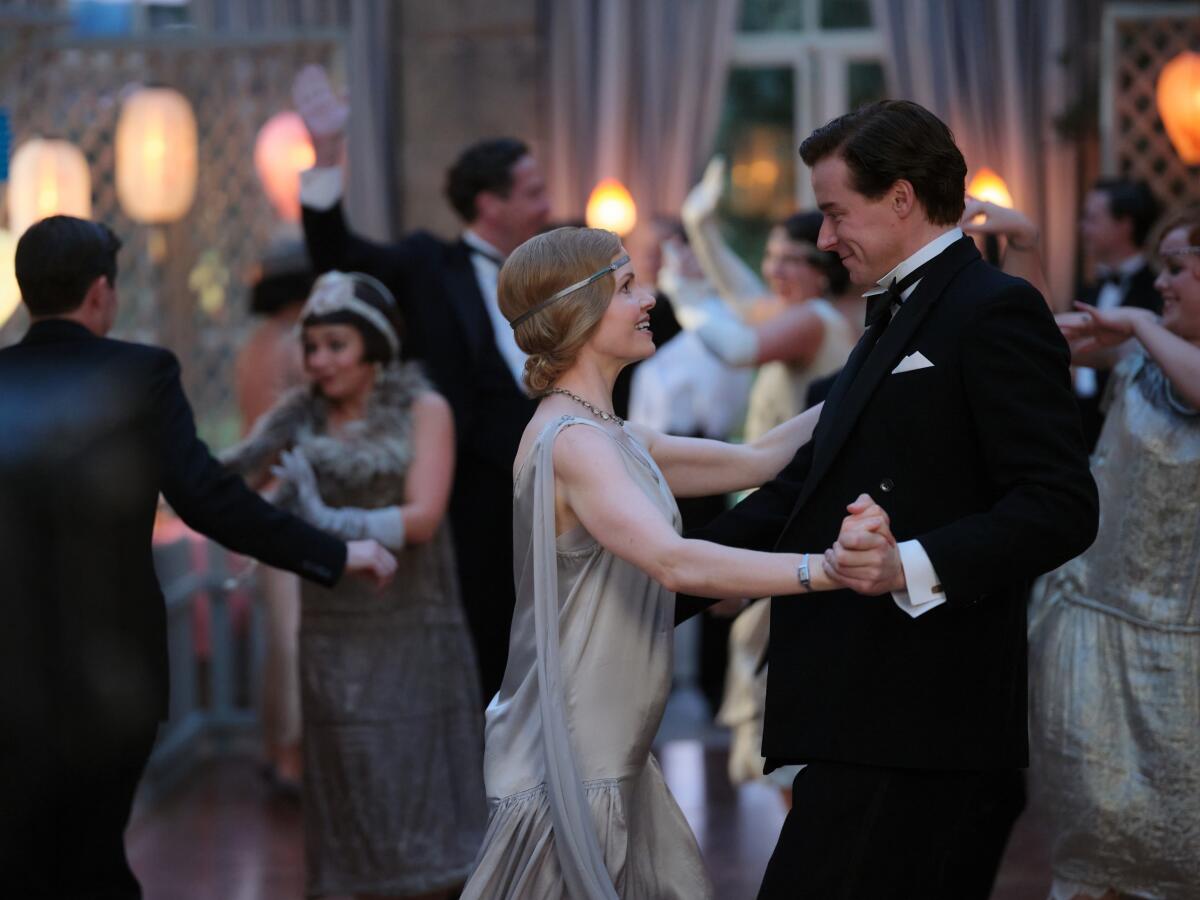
x: 912, y: 362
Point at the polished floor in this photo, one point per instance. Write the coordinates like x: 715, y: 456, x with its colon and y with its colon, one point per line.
x: 222, y: 836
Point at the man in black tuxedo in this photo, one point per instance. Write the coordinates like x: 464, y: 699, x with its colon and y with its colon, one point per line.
x: 905, y: 693
x: 447, y: 295
x: 1118, y: 215
x: 91, y: 431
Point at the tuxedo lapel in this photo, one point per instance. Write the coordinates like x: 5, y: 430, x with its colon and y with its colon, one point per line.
x: 869, y: 365
x: 462, y: 289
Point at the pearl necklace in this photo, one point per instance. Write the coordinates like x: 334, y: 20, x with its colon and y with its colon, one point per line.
x: 595, y: 410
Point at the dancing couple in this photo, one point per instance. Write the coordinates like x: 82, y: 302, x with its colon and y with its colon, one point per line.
x: 898, y: 528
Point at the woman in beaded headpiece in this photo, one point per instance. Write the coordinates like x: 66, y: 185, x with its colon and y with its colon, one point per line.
x: 579, y: 806
x: 1114, y: 635
x: 393, y: 794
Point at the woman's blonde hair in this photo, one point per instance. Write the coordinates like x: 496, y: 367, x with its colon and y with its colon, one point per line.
x: 538, y: 269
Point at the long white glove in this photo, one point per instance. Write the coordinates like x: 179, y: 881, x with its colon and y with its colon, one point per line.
x: 734, y: 280
x: 350, y: 523
x: 729, y: 338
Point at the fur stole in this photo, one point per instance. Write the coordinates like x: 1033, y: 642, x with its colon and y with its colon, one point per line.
x: 374, y: 449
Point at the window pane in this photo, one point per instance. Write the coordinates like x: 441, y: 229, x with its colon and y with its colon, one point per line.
x: 772, y: 15
x: 864, y: 83
x: 757, y: 139
x: 845, y: 13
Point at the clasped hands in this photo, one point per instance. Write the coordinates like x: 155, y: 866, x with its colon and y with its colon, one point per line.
x: 865, y: 557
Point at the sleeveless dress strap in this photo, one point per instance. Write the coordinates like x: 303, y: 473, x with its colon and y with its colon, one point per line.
x: 575, y: 839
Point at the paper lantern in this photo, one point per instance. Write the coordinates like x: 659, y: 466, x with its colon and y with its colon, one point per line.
x: 10, y: 293
x: 156, y: 155
x: 611, y: 207
x: 282, y: 151
x: 1178, y: 94
x: 987, y: 185
x: 47, y: 177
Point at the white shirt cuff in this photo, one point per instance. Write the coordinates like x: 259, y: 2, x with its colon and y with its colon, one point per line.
x: 924, y: 587
x: 321, y: 188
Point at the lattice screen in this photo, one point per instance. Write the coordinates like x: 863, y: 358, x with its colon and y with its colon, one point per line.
x: 1138, y: 41
x: 234, y: 85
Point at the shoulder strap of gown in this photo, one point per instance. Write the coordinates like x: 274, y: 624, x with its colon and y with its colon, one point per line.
x: 575, y: 838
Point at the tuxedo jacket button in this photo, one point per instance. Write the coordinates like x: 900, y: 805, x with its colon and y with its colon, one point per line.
x: 886, y: 485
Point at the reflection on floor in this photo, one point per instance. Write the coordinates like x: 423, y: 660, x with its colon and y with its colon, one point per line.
x: 222, y: 837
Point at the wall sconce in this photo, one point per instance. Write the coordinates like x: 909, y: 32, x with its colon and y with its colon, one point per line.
x: 282, y: 151
x: 156, y: 156
x: 611, y: 207
x: 47, y: 177
x: 1178, y: 95
x: 987, y: 185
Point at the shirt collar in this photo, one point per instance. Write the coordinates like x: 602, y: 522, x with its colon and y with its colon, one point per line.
x: 1130, y: 265
x: 471, y: 239
x: 922, y: 256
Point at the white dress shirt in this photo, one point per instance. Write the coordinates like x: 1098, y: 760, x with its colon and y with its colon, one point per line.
x: 925, y: 590
x: 487, y: 261
x: 1110, y: 296
x: 322, y: 187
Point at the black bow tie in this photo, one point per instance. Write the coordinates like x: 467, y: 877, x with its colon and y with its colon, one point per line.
x: 879, y: 305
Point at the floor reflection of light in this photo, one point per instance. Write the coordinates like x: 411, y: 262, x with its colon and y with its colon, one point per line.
x: 683, y: 768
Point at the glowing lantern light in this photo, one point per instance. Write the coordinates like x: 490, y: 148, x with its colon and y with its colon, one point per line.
x: 1178, y: 95
x: 282, y: 151
x: 987, y: 185
x: 156, y: 155
x: 611, y: 207
x: 10, y: 293
x: 48, y: 177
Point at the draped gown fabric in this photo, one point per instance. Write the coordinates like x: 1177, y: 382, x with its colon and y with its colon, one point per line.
x: 579, y: 807
x: 1115, y: 658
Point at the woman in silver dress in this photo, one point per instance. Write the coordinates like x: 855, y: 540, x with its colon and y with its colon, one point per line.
x: 579, y: 807
x: 1115, y: 633
x: 393, y: 794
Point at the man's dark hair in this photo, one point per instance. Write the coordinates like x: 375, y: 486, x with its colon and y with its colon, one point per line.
x: 894, y: 139
x: 486, y: 166
x: 1132, y: 200
x: 57, y: 260
x: 806, y: 226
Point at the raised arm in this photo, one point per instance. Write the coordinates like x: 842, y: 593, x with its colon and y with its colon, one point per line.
x: 733, y: 279
x: 593, y: 486
x: 698, y: 467
x: 331, y: 243
x: 1021, y: 255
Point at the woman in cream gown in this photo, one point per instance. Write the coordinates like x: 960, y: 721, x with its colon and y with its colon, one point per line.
x: 578, y: 805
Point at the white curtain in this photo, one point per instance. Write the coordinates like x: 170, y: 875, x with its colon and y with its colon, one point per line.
x: 372, y: 197
x: 991, y: 70
x: 635, y: 94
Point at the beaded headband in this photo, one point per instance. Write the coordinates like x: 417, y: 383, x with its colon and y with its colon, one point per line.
x: 1180, y: 251
x: 334, y: 292
x: 570, y: 289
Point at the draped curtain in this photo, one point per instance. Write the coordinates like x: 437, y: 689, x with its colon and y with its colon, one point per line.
x: 991, y: 69
x: 372, y: 191
x: 635, y: 89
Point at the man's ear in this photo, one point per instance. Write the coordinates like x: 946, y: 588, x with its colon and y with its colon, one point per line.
x: 485, y: 204
x: 903, y: 198
x: 94, y: 297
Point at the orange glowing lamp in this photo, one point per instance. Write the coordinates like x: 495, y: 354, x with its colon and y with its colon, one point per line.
x: 987, y: 185
x: 1178, y: 95
x: 282, y: 151
x: 611, y: 207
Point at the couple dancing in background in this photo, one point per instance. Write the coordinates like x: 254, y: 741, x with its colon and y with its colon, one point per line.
x: 897, y: 656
